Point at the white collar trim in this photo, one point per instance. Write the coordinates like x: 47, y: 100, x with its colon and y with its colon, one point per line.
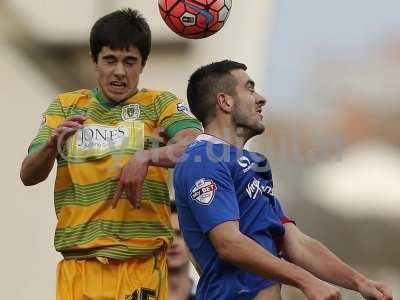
x: 210, y: 138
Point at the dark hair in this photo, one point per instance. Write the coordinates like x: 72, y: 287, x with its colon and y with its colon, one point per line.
x: 173, y: 207
x: 120, y: 30
x: 206, y: 82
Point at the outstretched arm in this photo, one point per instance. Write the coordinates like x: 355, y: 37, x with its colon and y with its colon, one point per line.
x: 314, y: 257
x: 234, y: 247
x: 37, y: 165
x: 132, y: 175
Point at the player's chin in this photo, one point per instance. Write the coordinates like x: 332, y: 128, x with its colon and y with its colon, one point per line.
x: 118, y: 96
x: 259, y: 128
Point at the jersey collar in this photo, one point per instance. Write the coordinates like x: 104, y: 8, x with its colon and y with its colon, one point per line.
x: 210, y: 138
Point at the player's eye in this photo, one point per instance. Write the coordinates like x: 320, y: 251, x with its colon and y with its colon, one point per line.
x: 110, y: 60
x: 130, y: 62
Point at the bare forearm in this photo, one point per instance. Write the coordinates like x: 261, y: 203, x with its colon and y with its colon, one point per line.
x: 167, y: 156
x: 320, y: 261
x: 247, y: 254
x: 37, y: 166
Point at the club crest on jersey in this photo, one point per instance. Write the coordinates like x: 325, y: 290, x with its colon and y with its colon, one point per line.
x: 184, y: 108
x: 245, y: 163
x: 130, y: 112
x: 203, y: 191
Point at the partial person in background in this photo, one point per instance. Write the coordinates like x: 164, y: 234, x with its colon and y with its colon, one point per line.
x: 231, y: 220
x: 180, y: 284
x: 110, y: 144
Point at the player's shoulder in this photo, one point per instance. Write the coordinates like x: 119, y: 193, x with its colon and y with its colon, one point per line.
x: 206, y: 152
x: 149, y: 96
x: 75, y: 98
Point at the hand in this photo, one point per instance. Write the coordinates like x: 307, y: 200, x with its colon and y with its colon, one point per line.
x: 65, y: 130
x: 316, y: 289
x: 372, y: 290
x: 131, y: 179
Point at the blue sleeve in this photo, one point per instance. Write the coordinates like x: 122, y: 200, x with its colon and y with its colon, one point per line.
x: 283, y: 217
x: 210, y: 194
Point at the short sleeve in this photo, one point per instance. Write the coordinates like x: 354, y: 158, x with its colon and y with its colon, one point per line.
x: 51, y: 119
x: 174, y: 115
x: 210, y: 195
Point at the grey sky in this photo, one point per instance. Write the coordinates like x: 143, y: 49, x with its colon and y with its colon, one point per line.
x: 312, y: 29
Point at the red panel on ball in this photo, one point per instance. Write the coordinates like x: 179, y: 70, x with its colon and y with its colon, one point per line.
x: 217, y: 26
x: 201, y: 22
x: 162, y: 5
x: 177, y: 23
x: 178, y: 10
x: 218, y: 5
x: 169, y: 3
x: 193, y: 30
x: 194, y: 18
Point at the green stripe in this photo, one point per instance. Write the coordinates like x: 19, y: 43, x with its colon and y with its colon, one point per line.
x: 149, y: 143
x: 70, y: 237
x: 174, y: 128
x: 73, y: 110
x: 163, y: 100
x: 55, y: 108
x: 34, y: 147
x: 61, y: 162
x: 113, y: 152
x: 86, y: 195
x: 115, y: 252
x: 101, y: 115
x: 42, y: 136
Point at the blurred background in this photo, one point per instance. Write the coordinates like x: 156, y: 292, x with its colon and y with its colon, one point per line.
x: 330, y: 71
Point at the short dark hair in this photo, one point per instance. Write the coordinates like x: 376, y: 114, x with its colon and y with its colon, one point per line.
x: 173, y: 207
x: 121, y: 29
x: 206, y: 82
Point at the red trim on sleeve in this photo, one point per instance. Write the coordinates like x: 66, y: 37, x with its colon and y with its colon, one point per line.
x: 285, y: 220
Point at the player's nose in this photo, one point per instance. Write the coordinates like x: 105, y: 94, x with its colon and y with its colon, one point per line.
x: 119, y: 69
x: 260, y: 99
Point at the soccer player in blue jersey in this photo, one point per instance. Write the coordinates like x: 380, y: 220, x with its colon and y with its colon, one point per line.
x: 235, y: 227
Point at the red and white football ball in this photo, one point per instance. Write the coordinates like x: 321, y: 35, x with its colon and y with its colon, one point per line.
x: 195, y: 19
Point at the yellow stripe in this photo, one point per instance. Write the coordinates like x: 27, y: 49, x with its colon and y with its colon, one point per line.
x: 79, y: 98
x: 73, y: 215
x: 145, y: 98
x: 54, y: 121
x: 100, y: 170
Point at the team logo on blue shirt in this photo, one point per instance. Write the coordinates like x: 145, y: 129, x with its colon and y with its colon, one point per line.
x: 203, y: 191
x: 245, y: 163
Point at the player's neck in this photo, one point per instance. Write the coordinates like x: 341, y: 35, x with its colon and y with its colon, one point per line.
x: 179, y: 285
x: 228, y: 134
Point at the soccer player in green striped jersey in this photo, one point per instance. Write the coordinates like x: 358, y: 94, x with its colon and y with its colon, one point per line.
x: 113, y: 145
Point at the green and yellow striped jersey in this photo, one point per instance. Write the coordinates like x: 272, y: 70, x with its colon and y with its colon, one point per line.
x: 91, y: 159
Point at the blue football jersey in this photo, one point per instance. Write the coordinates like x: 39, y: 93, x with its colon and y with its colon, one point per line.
x: 214, y: 183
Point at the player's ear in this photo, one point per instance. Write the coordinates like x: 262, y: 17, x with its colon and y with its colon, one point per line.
x: 93, y: 59
x: 143, y: 65
x: 225, y: 102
